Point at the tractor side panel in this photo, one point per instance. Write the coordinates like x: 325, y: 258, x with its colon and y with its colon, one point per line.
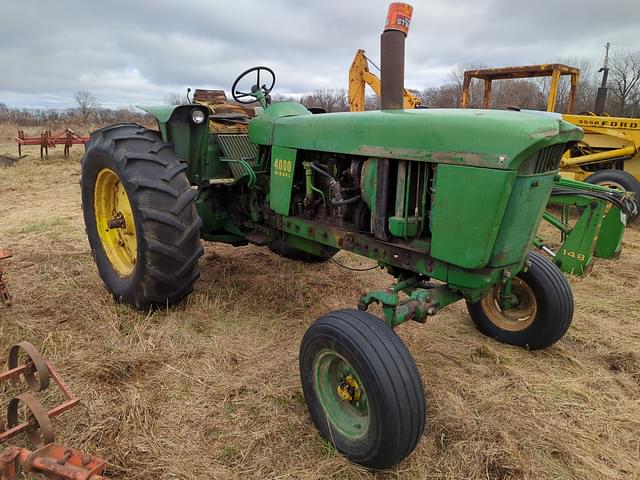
x: 467, y: 211
x: 283, y: 163
x: 522, y: 218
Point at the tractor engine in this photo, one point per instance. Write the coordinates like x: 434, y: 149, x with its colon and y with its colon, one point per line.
x: 336, y: 195
x: 343, y: 193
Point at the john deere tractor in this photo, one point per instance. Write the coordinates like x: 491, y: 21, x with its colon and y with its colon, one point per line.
x: 448, y: 202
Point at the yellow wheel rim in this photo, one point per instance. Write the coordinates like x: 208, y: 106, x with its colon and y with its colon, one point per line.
x: 517, y: 318
x: 115, y: 223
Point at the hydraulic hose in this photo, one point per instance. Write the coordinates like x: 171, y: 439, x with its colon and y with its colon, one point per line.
x: 627, y: 205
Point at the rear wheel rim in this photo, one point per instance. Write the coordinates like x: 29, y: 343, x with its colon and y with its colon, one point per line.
x: 341, y: 394
x: 611, y: 184
x: 115, y: 223
x: 517, y: 318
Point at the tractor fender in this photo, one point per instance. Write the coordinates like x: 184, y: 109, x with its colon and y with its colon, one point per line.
x: 177, y: 127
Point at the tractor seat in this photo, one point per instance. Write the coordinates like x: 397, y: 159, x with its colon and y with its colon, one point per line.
x: 224, y: 117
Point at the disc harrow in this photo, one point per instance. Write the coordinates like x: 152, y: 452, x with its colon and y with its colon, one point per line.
x: 25, y: 414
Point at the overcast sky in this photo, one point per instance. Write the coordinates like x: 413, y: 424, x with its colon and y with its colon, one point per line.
x: 137, y: 51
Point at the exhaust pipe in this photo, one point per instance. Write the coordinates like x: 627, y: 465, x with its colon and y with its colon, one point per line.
x: 391, y: 98
x: 392, y: 55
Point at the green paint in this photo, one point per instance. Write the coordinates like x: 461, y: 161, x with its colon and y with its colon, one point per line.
x: 162, y: 113
x: 609, y: 242
x: 469, y: 204
x: 403, y: 227
x: 189, y: 140
x: 417, y: 304
x: 283, y: 163
x: 261, y: 127
x: 597, y: 232
x: 470, y: 226
x: 494, y: 139
x: 521, y: 219
x: 348, y: 417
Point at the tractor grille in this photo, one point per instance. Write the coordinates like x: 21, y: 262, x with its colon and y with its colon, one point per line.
x: 548, y: 158
x: 237, y: 146
x: 545, y: 160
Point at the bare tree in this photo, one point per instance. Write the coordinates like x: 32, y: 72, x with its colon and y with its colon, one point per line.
x: 331, y: 99
x: 371, y: 102
x: 87, y: 105
x: 174, y: 98
x: 456, y: 79
x: 279, y: 97
x: 624, y: 81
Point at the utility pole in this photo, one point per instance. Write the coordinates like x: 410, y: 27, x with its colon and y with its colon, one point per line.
x: 601, y: 97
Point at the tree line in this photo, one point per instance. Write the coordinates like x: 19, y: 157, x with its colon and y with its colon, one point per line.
x: 623, y: 84
x: 87, y: 114
x: 623, y: 97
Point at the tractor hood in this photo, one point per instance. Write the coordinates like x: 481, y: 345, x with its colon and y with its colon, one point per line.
x: 488, y: 138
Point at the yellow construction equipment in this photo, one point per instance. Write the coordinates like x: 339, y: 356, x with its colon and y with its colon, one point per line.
x: 609, y: 153
x: 360, y: 77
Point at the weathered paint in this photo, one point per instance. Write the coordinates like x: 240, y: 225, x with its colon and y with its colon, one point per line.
x: 189, y: 140
x: 283, y: 163
x: 521, y: 219
x: 494, y: 139
x: 261, y: 127
x: 467, y: 212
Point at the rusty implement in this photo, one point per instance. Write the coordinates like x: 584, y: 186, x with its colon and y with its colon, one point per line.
x: 68, y: 138
x: 5, y: 296
x: 25, y: 414
x: 53, y: 461
x: 42, y: 140
x: 47, y: 140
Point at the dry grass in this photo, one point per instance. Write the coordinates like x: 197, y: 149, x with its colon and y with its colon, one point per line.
x: 210, y: 389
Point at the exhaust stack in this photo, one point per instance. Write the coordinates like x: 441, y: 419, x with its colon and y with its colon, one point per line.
x: 392, y: 55
x: 391, y: 98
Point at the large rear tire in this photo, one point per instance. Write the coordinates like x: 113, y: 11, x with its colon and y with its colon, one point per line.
x: 140, y: 216
x: 362, y: 388
x: 542, y: 313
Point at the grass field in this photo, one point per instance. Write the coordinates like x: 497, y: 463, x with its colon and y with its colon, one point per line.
x: 210, y: 389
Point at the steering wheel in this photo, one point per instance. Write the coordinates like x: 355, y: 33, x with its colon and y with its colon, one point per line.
x: 237, y: 95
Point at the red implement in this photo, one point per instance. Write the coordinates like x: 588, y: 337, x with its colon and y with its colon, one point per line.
x: 27, y: 366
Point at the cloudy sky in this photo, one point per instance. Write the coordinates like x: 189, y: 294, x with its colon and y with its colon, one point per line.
x: 137, y: 51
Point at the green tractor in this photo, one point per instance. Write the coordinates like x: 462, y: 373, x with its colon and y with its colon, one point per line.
x: 447, y: 201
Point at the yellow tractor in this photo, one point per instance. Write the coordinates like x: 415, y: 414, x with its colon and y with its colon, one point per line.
x: 609, y: 153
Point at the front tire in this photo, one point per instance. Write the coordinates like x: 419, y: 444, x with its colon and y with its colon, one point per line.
x: 362, y: 388
x: 140, y: 216
x: 543, y: 311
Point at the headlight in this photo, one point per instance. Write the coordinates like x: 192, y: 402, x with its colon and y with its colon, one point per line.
x: 197, y: 116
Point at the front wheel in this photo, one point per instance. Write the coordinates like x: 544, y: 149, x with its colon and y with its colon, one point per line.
x: 362, y: 388
x: 542, y: 310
